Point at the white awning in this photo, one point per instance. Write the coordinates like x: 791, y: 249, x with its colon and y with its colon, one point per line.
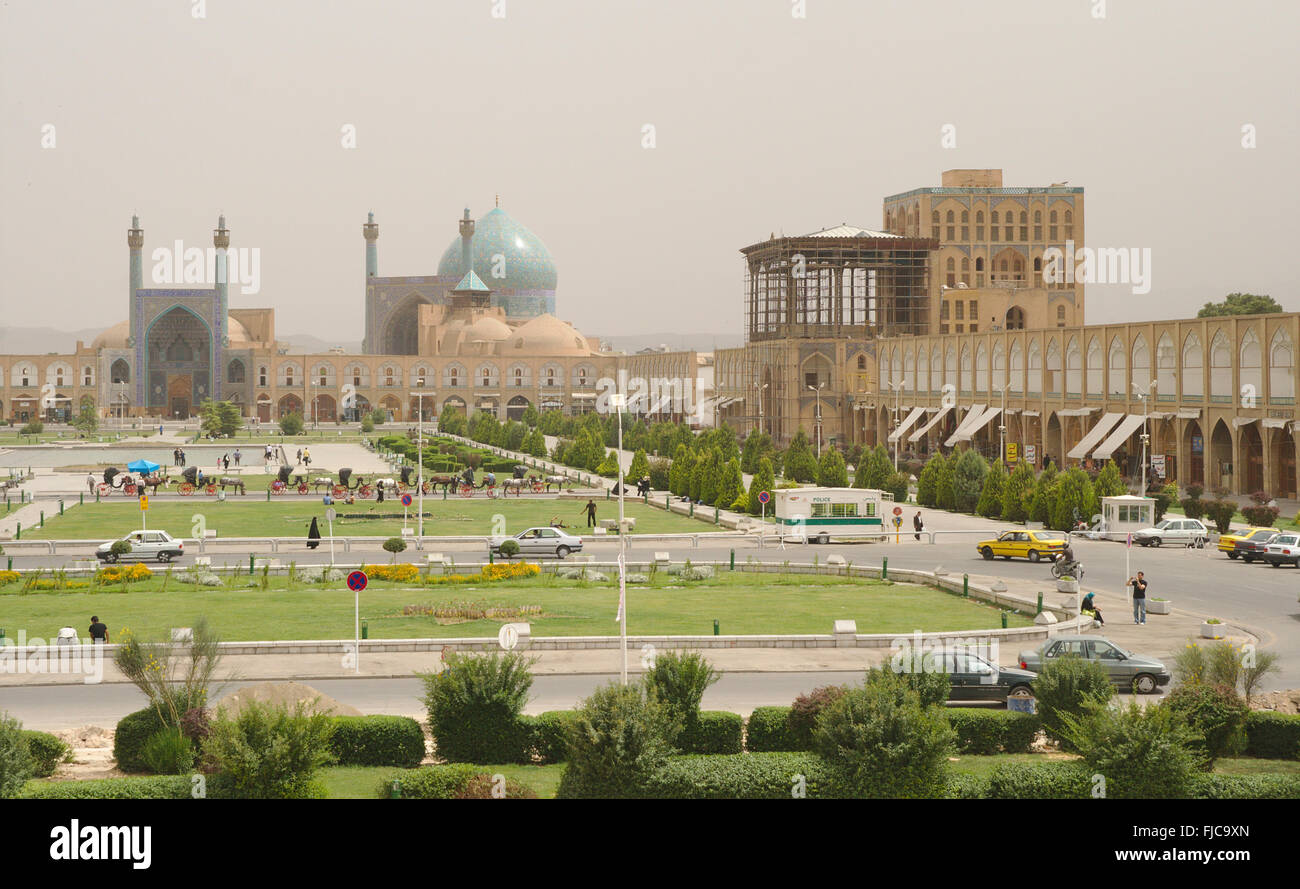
x: 1077, y: 412
x: 962, y: 432
x: 907, y: 423
x: 980, y: 422
x: 1270, y: 423
x: 1191, y: 414
x: 1094, y: 435
x: 1127, y: 426
x: 1238, y: 422
x: 1031, y: 413
x: 920, y: 433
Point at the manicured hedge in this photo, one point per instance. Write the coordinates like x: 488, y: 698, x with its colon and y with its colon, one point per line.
x: 430, y: 782
x: 1247, y: 787
x: 377, y: 741
x: 158, y: 787
x: 984, y: 732
x: 133, y: 730
x: 1045, y: 780
x: 1273, y: 735
x: 964, y: 786
x: 768, y: 730
x: 46, y: 751
x: 716, y: 731
x: 743, y: 776
x: 549, y: 734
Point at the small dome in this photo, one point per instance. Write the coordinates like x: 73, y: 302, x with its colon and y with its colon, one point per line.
x: 547, y: 336
x: 528, y: 264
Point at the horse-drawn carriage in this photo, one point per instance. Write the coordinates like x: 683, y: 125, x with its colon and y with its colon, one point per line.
x: 285, y: 480
x: 345, y: 487
x: 193, y: 479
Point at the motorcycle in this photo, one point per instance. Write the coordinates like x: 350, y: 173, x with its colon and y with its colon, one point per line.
x: 1062, y: 568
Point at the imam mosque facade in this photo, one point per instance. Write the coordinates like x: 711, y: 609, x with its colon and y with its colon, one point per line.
x: 942, y: 328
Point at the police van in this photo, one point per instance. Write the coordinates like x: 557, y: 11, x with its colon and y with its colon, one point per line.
x: 818, y: 514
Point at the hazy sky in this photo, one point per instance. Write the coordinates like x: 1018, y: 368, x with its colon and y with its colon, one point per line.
x: 763, y: 122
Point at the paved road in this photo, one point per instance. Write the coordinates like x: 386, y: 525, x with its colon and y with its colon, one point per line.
x: 51, y: 708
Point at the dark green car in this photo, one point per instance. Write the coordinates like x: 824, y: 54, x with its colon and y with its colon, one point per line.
x: 974, y: 678
x: 1142, y: 674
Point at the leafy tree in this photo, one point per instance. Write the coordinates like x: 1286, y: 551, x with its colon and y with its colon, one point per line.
x: 221, y: 419
x: 678, y: 680
x: 1040, y: 506
x: 1240, y: 304
x: 530, y: 417
x: 898, y: 484
x: 874, y: 470
x: 1017, y: 494
x: 1062, y: 688
x: 946, y: 491
x: 474, y: 707
x: 927, y: 483
x: 620, y: 736
x: 800, y: 464
x: 453, y: 421
x: 1143, y: 752
x: 394, y: 545
x: 679, y: 473
x: 757, y: 446
x: 271, y: 752
x: 831, y: 471
x: 1073, y: 499
x: 640, y: 466
x: 87, y: 419
x: 608, y: 466
x: 534, y: 443
x: 764, y: 480
x: 1109, y: 483
x: 969, y: 471
x: 990, y: 502
x: 15, y: 759
x: 731, y: 486
x: 291, y: 423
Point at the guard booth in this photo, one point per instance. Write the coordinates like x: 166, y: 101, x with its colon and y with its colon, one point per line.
x: 818, y: 514
x: 1123, y: 515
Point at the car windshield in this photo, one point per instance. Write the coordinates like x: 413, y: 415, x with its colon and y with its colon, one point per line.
x: 1163, y: 525
x: 1050, y: 535
x: 1262, y: 535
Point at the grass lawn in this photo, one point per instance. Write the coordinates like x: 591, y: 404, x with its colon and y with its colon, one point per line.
x: 290, y: 515
x: 743, y: 603
x: 362, y: 782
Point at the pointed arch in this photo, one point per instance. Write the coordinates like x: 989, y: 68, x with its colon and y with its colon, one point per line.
x: 1034, y: 384
x: 1220, y: 367
x: 1096, y: 368
x: 965, y: 386
x: 982, y: 368
x: 1053, y: 367
x: 909, y: 371
x: 999, y: 367
x: 1252, y: 366
x: 1281, y: 368
x: 1193, y: 367
x: 1140, y: 369
x: 1116, y: 369
x: 1017, y: 367
x: 1073, y: 367
x: 1166, y: 368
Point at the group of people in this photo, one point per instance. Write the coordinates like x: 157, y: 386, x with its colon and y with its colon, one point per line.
x: 304, y: 457
x: 224, y: 462
x: 178, y: 456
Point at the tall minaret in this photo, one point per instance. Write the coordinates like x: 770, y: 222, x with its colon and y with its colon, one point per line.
x: 466, y: 235
x: 371, y: 231
x: 135, y: 241
x: 221, y: 240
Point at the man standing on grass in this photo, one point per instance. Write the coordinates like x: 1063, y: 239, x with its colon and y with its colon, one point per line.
x: 1139, y: 585
x: 590, y: 509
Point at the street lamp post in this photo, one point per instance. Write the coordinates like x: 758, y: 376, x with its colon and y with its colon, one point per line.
x: 1002, y: 426
x: 618, y: 401
x: 818, y: 389
x: 898, y: 392
x: 419, y: 451
x: 1145, y: 437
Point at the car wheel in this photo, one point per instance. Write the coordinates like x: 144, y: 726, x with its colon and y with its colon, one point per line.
x: 1155, y: 541
x: 1144, y: 684
x: 1232, y: 555
x: 987, y: 553
x: 1021, y: 691
x: 110, y: 557
x: 824, y: 539
x: 561, y: 552
x: 1247, y: 559
x: 1034, y: 556
x: 164, y: 557
x: 1275, y: 564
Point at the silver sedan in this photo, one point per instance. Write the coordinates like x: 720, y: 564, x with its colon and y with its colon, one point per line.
x: 543, y: 541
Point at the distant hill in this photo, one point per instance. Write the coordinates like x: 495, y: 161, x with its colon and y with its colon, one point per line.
x: 40, y: 340
x: 676, y: 342
x: 305, y: 343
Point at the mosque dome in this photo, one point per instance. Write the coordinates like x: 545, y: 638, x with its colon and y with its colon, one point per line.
x: 547, y: 336
x: 528, y: 264
x: 116, y: 336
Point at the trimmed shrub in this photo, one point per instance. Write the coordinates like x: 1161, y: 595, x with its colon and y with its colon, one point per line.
x: 483, y: 786
x: 805, y: 710
x: 549, y: 734
x: 985, y: 732
x: 475, y: 707
x: 46, y: 752
x: 744, y: 776
x: 1246, y: 787
x: 1143, y: 752
x: 133, y: 731
x: 768, y: 730
x: 923, y: 675
x: 1273, y: 735
x: 168, y: 752
x: 15, y: 758
x: 712, y: 731
x: 1063, y: 687
x: 156, y: 787
x: 1216, y: 714
x: 430, y: 782
x: 964, y: 786
x: 377, y: 741
x: 679, y: 680
x: 270, y: 752
x: 1019, y: 731
x: 1045, y: 780
x: 621, y: 737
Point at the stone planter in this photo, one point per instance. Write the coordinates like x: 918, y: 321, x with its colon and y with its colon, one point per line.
x: 1067, y: 586
x: 1159, y: 606
x: 1211, y: 631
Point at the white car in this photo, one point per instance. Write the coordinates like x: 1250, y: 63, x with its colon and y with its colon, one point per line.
x: 1283, y: 549
x: 541, y: 541
x: 1183, y: 532
x: 145, y: 545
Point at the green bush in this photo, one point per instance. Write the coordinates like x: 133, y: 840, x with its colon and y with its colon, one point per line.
x: 1273, y: 735
x: 377, y: 741
x: 484, y: 786
x: 270, y: 752
x: 549, y: 733
x: 768, y: 730
x: 430, y: 782
x: 1246, y: 787
x: 1064, y: 686
x: 15, y: 758
x: 1142, y: 752
x: 805, y: 710
x: 621, y: 737
x: 679, y: 680
x: 475, y: 707
x: 712, y: 731
x: 929, y: 680
x: 985, y: 732
x: 133, y: 731
x: 884, y: 745
x: 964, y: 786
x: 743, y: 776
x: 46, y: 752
x: 509, y: 547
x: 155, y: 787
x: 168, y: 752
x: 1216, y: 714
x: 1044, y: 780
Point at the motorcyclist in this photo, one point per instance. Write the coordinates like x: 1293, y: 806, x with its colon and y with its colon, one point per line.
x: 1067, y: 557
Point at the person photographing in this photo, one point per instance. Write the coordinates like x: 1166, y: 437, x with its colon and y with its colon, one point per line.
x: 1139, y: 585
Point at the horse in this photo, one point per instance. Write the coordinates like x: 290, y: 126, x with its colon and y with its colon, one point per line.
x: 558, y: 480
x: 232, y: 481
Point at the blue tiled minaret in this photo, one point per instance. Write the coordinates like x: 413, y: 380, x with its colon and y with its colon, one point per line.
x: 466, y: 236
x: 135, y: 241
x: 371, y: 231
x: 221, y: 240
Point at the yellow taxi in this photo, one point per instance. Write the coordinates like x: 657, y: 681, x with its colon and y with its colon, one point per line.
x: 1228, y: 542
x: 1032, y: 545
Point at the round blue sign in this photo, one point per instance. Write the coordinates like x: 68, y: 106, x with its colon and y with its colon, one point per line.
x: 406, y: 499
x: 763, y: 496
x: 357, y: 581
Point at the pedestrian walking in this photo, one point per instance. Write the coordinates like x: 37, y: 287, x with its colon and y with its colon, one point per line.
x: 237, y: 456
x: 313, y: 534
x: 590, y: 509
x: 306, y: 457
x: 184, y: 459
x: 299, y: 455
x: 98, y: 631
x: 917, y: 524
x: 1139, y: 585
x: 90, y: 481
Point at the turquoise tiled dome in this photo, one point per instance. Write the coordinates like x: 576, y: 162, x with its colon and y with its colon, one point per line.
x: 528, y: 264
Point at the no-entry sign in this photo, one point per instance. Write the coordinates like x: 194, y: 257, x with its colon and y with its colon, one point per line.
x: 763, y: 496
x: 406, y: 499
x: 357, y: 581
x: 898, y: 510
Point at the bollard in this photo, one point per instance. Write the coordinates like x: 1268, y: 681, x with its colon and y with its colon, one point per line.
x: 18, y: 535
x: 81, y: 500
x: 11, y: 563
x: 1040, y: 604
x: 645, y: 498
x: 268, y: 495
x: 965, y: 586
x: 884, y: 568
x: 607, y: 493
x: 60, y: 507
x: 491, y: 560
x: 42, y: 518
x: 716, y: 514
x: 715, y: 626
x: 365, y: 628
x: 1004, y: 620
x: 733, y: 560
x: 250, y: 564
x: 667, y: 501
x: 96, y: 494
x: 692, y: 514
x: 395, y: 792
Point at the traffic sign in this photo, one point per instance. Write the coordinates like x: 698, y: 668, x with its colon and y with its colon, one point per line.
x: 764, y: 497
x: 406, y: 499
x: 330, y: 514
x: 357, y: 581
x: 898, y: 510
x: 898, y: 520
x: 144, y: 502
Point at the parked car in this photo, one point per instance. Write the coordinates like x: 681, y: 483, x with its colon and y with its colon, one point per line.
x: 144, y: 545
x: 1126, y: 670
x: 1283, y: 549
x: 1180, y: 531
x: 1228, y: 542
x: 975, y: 679
x: 543, y: 541
x: 1253, y: 547
x: 1031, y: 545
